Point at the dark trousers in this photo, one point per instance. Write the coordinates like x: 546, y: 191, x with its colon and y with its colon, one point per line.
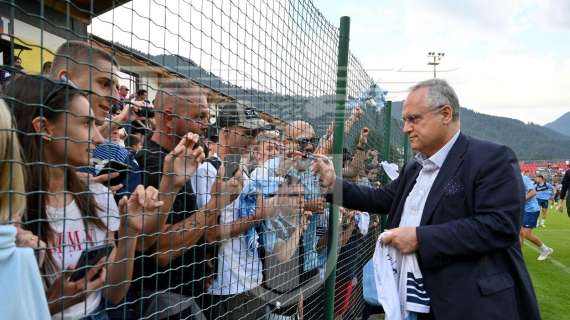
x: 314, y: 305
x: 244, y: 305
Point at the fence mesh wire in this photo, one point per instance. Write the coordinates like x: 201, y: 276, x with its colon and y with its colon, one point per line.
x: 127, y: 216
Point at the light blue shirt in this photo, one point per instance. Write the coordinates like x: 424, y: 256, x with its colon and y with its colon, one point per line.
x: 23, y: 296
x: 544, y: 191
x: 531, y: 204
x: 312, y: 187
x: 416, y: 200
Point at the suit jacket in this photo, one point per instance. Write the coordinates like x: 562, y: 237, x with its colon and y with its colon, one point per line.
x: 469, y: 250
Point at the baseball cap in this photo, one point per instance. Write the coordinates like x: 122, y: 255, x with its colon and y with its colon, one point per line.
x: 240, y: 114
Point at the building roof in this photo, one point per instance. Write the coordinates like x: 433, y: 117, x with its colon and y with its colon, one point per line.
x: 84, y: 10
x: 146, y: 66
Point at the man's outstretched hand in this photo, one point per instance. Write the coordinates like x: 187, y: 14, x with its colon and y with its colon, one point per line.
x: 323, y: 167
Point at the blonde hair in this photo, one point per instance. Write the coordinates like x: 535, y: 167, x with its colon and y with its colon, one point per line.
x: 12, y: 187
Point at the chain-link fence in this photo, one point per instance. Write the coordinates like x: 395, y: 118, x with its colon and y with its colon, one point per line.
x: 166, y: 158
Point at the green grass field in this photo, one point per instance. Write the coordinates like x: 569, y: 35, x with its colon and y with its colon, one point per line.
x: 551, y: 278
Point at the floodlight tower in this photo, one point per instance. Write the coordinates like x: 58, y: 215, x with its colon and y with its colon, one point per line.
x: 434, y: 60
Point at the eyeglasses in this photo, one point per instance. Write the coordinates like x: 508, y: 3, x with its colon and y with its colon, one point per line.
x: 250, y: 133
x: 305, y: 141
x: 414, y: 119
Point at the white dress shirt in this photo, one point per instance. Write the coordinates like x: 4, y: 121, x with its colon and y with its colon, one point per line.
x: 416, y: 200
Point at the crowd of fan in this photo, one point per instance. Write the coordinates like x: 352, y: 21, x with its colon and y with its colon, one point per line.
x: 222, y: 220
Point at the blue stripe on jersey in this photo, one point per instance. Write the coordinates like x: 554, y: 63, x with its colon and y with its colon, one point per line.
x: 419, y: 293
x: 411, y: 277
x: 417, y: 301
x: 411, y: 282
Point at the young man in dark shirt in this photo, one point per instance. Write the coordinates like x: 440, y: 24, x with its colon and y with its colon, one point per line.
x: 174, y: 269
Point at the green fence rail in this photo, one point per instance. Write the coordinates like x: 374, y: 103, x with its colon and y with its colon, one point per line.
x: 130, y: 88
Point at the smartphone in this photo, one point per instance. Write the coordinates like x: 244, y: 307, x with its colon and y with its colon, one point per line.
x: 231, y: 164
x: 111, y: 166
x: 89, y: 257
x: 309, y: 156
x: 145, y: 112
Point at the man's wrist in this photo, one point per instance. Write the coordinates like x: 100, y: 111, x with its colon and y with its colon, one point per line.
x: 332, y: 185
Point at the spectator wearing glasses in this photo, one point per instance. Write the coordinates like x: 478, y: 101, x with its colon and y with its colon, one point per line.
x: 124, y: 92
x: 239, y: 270
x: 300, y: 137
x: 280, y: 235
x: 176, y: 264
x: 236, y: 133
x: 456, y: 208
x: 19, y: 273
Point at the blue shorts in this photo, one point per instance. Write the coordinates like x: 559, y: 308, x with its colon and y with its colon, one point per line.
x: 543, y: 203
x: 529, y: 219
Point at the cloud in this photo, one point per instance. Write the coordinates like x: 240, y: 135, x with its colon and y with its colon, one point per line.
x: 528, y: 87
x: 499, y: 69
x: 478, y: 14
x: 552, y: 14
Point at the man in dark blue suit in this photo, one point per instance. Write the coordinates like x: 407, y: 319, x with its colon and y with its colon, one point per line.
x: 457, y: 206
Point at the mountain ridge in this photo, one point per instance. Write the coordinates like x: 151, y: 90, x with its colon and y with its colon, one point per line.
x: 529, y: 141
x: 561, y: 125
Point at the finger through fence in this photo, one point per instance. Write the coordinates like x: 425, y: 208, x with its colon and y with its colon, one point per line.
x: 156, y: 156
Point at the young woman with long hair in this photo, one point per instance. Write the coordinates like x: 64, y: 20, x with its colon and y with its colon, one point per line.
x: 57, y: 131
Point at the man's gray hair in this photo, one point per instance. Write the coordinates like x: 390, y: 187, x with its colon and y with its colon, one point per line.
x: 439, y: 93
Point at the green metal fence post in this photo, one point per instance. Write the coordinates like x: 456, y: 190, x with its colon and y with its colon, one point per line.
x: 386, y: 152
x: 387, y: 131
x: 338, y: 137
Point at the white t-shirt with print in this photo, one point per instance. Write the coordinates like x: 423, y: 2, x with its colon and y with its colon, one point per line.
x: 71, y: 240
x: 239, y: 269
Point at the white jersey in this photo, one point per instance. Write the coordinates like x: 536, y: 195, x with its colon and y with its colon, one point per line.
x: 72, y: 239
x: 399, y: 283
x: 238, y: 269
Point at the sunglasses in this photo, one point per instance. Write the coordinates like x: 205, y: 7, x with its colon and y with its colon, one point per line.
x: 250, y: 133
x: 305, y: 141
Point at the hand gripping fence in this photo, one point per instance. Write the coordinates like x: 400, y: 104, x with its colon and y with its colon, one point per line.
x: 156, y: 156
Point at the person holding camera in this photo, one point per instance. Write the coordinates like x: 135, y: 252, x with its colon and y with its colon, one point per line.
x: 237, y: 264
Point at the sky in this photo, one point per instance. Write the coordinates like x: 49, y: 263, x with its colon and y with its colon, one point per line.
x: 508, y: 58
